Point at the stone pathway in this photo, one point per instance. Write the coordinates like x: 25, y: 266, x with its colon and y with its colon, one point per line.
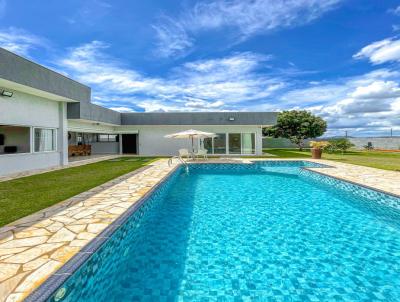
x: 33, y: 248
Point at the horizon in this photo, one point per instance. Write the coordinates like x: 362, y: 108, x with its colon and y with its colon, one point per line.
x: 337, y: 59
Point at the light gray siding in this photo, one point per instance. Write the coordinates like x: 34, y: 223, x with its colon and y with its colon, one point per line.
x: 22, y: 71
x: 92, y: 112
x: 199, y: 118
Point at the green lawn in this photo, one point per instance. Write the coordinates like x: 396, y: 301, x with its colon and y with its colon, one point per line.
x: 27, y: 195
x: 375, y: 159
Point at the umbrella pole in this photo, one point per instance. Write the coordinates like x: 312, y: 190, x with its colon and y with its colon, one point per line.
x: 192, y: 146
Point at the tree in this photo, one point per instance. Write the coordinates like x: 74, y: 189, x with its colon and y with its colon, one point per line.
x: 297, y: 125
x: 339, y: 144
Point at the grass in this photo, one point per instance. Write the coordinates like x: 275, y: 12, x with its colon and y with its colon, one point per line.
x: 27, y: 195
x: 374, y: 159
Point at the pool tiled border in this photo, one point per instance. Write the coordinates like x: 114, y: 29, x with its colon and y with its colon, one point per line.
x: 370, y: 178
x: 52, y: 238
x: 44, y: 292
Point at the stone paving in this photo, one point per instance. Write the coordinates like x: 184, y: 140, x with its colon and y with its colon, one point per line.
x: 33, y: 248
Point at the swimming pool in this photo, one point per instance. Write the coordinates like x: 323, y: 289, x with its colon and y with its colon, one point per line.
x: 236, y: 232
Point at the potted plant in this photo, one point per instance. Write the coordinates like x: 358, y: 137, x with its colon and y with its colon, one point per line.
x: 317, y: 147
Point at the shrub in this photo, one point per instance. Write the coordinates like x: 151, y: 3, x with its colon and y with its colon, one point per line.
x: 339, y: 144
x: 319, y: 144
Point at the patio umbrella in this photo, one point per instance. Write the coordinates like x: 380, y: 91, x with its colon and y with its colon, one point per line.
x: 191, y: 134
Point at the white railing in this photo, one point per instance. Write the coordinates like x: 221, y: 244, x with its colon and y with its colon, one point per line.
x: 181, y: 160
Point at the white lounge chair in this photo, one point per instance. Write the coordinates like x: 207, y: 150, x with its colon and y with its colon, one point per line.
x: 184, y: 153
x: 201, y: 153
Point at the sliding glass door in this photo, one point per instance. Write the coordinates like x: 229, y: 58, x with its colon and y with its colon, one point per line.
x: 230, y: 143
x: 248, y: 143
x: 235, y: 143
x: 220, y: 143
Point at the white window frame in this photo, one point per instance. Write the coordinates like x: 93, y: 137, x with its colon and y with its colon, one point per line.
x: 55, y: 136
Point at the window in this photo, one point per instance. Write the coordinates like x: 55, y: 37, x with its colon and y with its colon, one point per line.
x: 15, y: 139
x: 207, y: 144
x: 215, y: 145
x: 107, y: 137
x: 235, y: 143
x: 220, y: 143
x: 45, y: 139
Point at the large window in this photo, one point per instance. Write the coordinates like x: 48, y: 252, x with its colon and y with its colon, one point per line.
x: 238, y: 143
x: 215, y: 145
x: 15, y: 139
x: 235, y: 143
x: 107, y: 137
x: 45, y: 139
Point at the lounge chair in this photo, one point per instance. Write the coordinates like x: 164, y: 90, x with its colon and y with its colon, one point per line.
x: 201, y: 153
x: 184, y: 153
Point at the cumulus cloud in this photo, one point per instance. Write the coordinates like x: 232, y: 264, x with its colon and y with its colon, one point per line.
x: 20, y: 41
x: 216, y: 84
x: 377, y: 90
x: 387, y: 50
x: 244, y: 18
x: 361, y: 105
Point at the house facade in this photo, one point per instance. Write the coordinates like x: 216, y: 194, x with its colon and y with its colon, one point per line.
x: 45, y: 118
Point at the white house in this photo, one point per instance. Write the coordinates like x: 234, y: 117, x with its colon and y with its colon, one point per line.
x: 44, y: 115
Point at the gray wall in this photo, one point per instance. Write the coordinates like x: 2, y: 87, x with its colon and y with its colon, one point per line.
x: 105, y: 148
x: 199, y: 118
x: 92, y: 112
x: 22, y: 71
x: 390, y: 143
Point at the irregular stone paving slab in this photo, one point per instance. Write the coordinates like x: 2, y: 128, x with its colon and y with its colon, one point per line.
x: 33, y: 248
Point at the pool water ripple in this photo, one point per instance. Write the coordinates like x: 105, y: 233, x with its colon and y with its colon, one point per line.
x: 241, y: 233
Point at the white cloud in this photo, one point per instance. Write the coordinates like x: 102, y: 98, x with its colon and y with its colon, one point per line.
x: 19, y: 41
x: 363, y: 104
x: 377, y: 90
x: 236, y: 82
x: 89, y: 13
x: 387, y: 50
x: 172, y: 39
x: 244, y: 18
x: 216, y: 84
x: 122, y: 109
x: 395, y: 11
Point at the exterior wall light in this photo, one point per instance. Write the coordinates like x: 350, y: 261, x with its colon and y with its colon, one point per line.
x: 6, y: 93
x: 231, y: 118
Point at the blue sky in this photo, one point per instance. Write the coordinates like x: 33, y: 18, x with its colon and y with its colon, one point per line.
x: 339, y: 59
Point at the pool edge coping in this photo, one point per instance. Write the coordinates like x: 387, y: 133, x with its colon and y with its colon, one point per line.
x: 49, y: 286
x: 44, y: 291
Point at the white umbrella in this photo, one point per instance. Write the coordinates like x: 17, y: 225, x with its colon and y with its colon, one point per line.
x: 191, y: 134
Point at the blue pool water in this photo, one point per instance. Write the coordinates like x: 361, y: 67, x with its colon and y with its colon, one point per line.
x: 265, y: 232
